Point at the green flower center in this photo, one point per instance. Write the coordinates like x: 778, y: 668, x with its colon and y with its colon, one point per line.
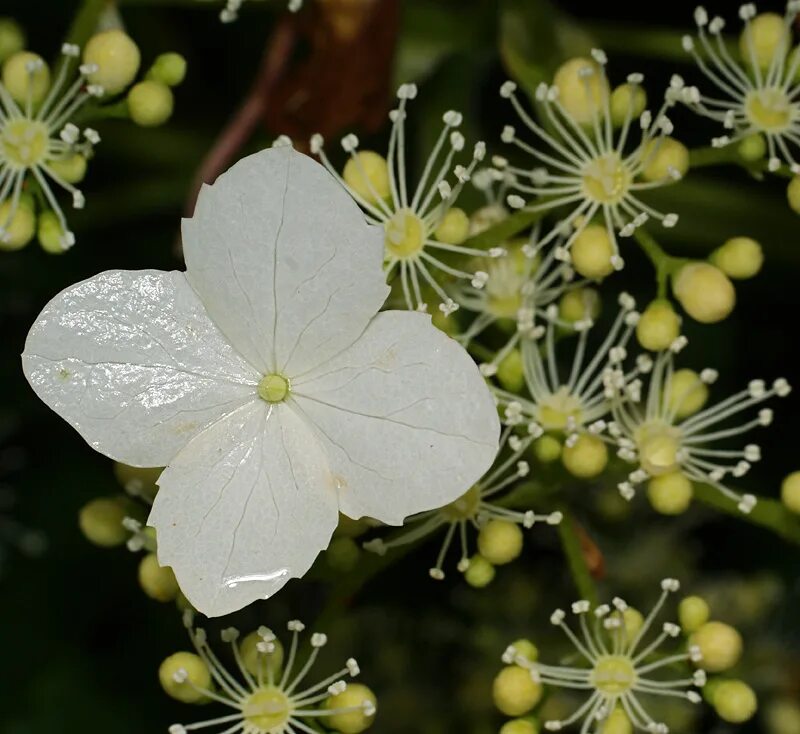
x: 606, y: 180
x: 465, y: 507
x: 405, y: 235
x: 555, y: 411
x: 613, y: 675
x: 268, y: 709
x: 24, y: 143
x: 273, y: 388
x: 658, y: 449
x: 769, y: 109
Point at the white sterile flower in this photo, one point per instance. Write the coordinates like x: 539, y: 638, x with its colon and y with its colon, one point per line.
x: 266, y: 382
x: 593, y: 169
x: 666, y: 429
x: 575, y: 400
x: 760, y: 90
x: 414, y: 219
x: 618, y: 664
x: 479, y: 504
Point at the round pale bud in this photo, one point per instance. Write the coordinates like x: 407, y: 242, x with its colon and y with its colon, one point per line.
x: 342, y: 554
x: 591, y: 252
x: 510, y: 372
x: 100, y: 521
x: 137, y: 480
x: 739, y: 257
x: 500, y: 542
x: 627, y: 103
x: 260, y: 656
x: 150, y: 103
x: 659, y: 326
x: 670, y: 494
x: 358, y: 697
x: 486, y: 217
x: 116, y: 57
x: 735, y: 701
x: 665, y: 158
x: 169, y: 69
x: 157, y: 581
x: 582, y: 85
x: 12, y: 38
x: 586, y: 458
x: 71, y: 168
x: 526, y: 649
x: 579, y: 304
x: 454, y: 227
x: 752, y: 148
x: 720, y: 645
x: 693, y: 613
x: 704, y: 291
x: 793, y: 194
x: 479, y: 573
x: 790, y: 492
x: 50, y: 233
x: 762, y: 37
x: 617, y: 723
x: 26, y: 75
x: 519, y: 726
x: 514, y: 691
x: 16, y: 230
x: 547, y: 449
x: 633, y: 621
x: 182, y: 674
x: 686, y: 393
x: 368, y: 175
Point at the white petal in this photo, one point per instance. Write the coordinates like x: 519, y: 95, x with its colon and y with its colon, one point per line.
x: 407, y: 419
x: 284, y: 262
x: 246, y: 506
x: 131, y: 360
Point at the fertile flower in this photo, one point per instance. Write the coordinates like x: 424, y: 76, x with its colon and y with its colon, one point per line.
x: 38, y: 143
x: 618, y: 664
x: 415, y: 222
x: 667, y: 431
x: 588, y: 165
x: 493, y: 182
x: 264, y: 381
x: 474, y: 509
x: 269, y: 695
x: 761, y: 92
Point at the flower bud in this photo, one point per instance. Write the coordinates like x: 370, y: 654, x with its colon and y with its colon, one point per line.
x: 686, y: 393
x: 790, y: 492
x: 358, y: 720
x: 100, y: 521
x: 752, y: 148
x: 591, y: 252
x: 793, y: 194
x: 71, y: 168
x: 578, y: 304
x: 704, y: 291
x: 116, y: 57
x: 510, y: 373
x: 12, y: 38
x: 169, y: 69
x: 514, y: 691
x: 519, y: 726
x: 659, y: 326
x: 627, y: 102
x: 368, y: 175
x: 182, y: 674
x: 693, y: 613
x: 257, y: 660
x: 633, y: 620
x: 663, y: 158
x: 582, y: 86
x: 454, y: 227
x: 157, y: 581
x: 25, y: 74
x: 763, y: 37
x: 17, y: 231
x: 586, y: 458
x: 150, y: 103
x: 739, y: 257
x: 547, y: 449
x: 720, y: 645
x: 50, y: 233
x: 500, y: 542
x: 617, y: 723
x: 670, y: 494
x: 735, y: 701
x: 479, y: 573
x: 526, y: 649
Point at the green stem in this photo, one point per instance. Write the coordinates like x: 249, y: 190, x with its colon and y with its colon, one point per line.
x: 85, y: 22
x: 652, y: 43
x: 571, y: 543
x: 663, y: 263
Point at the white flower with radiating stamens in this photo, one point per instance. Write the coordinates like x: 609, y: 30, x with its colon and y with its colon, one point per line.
x: 576, y: 400
x: 266, y: 382
x: 593, y: 169
x: 473, y: 509
x: 411, y: 218
x: 618, y: 665
x: 665, y: 429
x: 269, y: 695
x: 757, y: 99
x: 494, y: 183
x: 33, y: 137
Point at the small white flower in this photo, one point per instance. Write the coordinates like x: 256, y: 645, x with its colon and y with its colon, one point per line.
x: 265, y: 382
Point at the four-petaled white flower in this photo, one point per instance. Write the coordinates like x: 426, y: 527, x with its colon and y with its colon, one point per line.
x: 265, y: 382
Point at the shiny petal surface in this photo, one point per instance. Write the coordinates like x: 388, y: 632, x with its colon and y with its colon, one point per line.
x: 246, y: 506
x: 131, y: 360
x: 407, y: 419
x: 283, y: 261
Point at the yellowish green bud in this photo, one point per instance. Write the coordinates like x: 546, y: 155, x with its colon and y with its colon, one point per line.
x: 627, y: 102
x: 762, y: 37
x: 526, y: 649
x: 71, y: 168
x: 150, y: 103
x: 100, y: 521
x: 24, y: 74
x: 665, y: 158
x: 117, y: 58
x: 617, y: 723
x: 793, y: 194
x: 670, y: 494
x: 519, y: 726
x: 686, y: 393
x: 753, y: 148
x: 354, y: 696
x: 255, y: 656
x: 16, y: 231
x: 500, y: 541
x: 586, y: 458
x: 50, y: 233
x: 790, y: 492
x: 182, y: 674
x: 12, y: 38
x: 514, y: 691
x: 633, y: 620
x: 582, y: 86
x: 547, y: 449
x: 735, y: 701
x: 591, y: 252
x: 704, y: 291
x: 693, y: 613
x: 659, y: 326
x: 479, y: 573
x: 739, y: 257
x: 367, y: 173
x: 157, y: 581
x: 579, y: 304
x: 169, y: 69
x: 342, y: 554
x: 510, y: 373
x: 720, y: 645
x: 454, y: 227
